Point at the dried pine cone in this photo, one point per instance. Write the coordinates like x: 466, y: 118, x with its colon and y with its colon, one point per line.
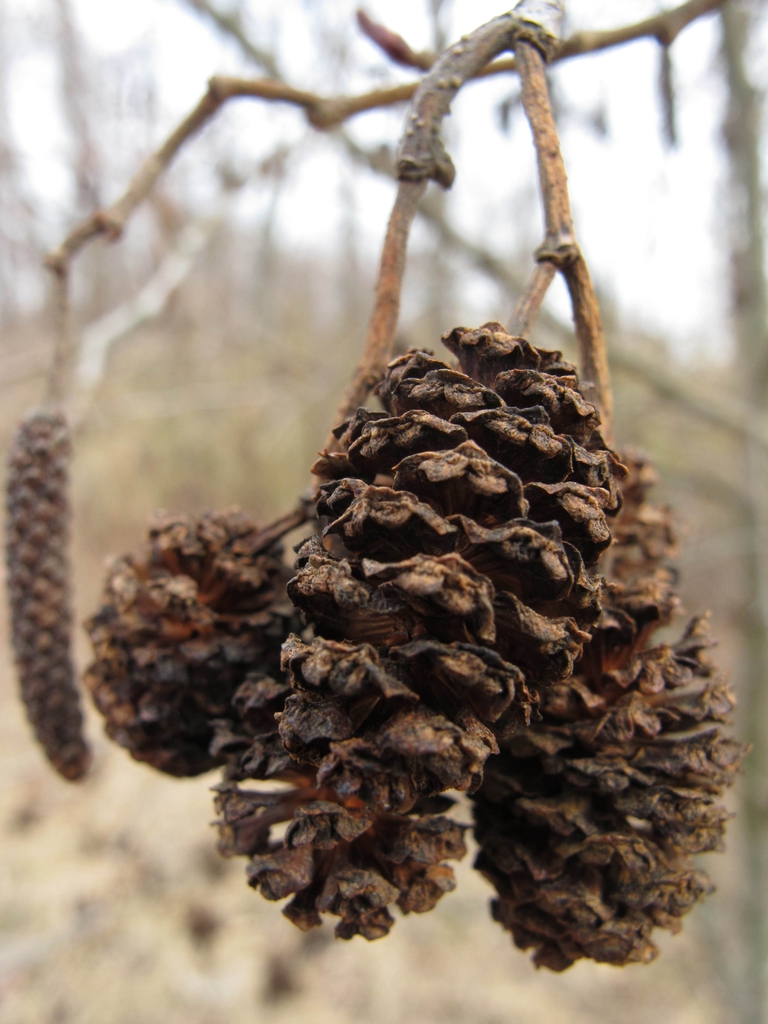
x: 338, y: 855
x: 183, y: 629
x: 38, y: 585
x: 588, y: 820
x: 461, y: 523
x: 451, y: 592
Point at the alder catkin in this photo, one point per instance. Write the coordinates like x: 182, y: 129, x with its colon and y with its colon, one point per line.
x: 39, y: 590
x: 184, y: 626
x: 587, y: 822
x: 453, y: 588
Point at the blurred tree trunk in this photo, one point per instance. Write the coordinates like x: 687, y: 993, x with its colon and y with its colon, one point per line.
x: 20, y: 247
x: 749, y: 309
x: 76, y: 98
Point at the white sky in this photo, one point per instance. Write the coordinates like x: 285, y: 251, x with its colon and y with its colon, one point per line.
x: 647, y: 218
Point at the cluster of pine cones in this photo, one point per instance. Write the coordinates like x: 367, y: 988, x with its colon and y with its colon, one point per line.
x: 444, y: 629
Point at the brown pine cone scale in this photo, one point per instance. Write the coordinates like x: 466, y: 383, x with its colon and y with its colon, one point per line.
x: 188, y: 643
x: 337, y: 856
x: 588, y: 820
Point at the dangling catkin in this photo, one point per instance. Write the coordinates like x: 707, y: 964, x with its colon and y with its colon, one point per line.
x: 38, y: 588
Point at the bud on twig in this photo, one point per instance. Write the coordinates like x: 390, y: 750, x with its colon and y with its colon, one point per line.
x: 39, y: 591
x: 395, y: 47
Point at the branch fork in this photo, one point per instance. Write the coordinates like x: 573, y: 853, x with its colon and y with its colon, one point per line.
x: 533, y: 21
x: 532, y: 30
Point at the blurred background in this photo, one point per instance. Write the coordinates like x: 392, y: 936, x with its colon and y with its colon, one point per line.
x: 214, y: 341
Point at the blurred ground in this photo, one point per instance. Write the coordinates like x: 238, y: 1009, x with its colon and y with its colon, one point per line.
x: 115, y: 909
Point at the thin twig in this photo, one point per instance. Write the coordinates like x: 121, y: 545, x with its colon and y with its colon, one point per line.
x: 560, y: 248
x: 111, y: 220
x: 531, y: 29
x: 667, y: 96
x: 593, y: 358
x: 421, y: 156
x: 322, y: 112
x: 232, y: 24
x: 382, y: 325
x: 59, y: 366
x: 326, y: 112
x: 421, y: 153
x: 527, y: 307
x: 665, y: 27
x: 303, y: 512
x: 560, y: 241
x: 717, y: 410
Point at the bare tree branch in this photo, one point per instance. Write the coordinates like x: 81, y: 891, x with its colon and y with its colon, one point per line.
x: 665, y: 27
x: 529, y: 29
x: 304, y: 511
x: 386, y: 308
x: 232, y: 25
x: 322, y: 112
x: 560, y: 248
x: 667, y: 96
x: 720, y: 411
x: 74, y: 90
x: 98, y: 337
x: 58, y: 371
x: 527, y: 307
x: 327, y: 112
x: 110, y: 221
x: 421, y: 156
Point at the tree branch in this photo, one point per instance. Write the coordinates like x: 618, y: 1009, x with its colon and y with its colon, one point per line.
x: 386, y: 309
x: 304, y: 511
x: 327, y: 112
x: 110, y: 221
x: 421, y: 156
x: 232, y: 25
x: 664, y: 27
x: 667, y: 97
x: 323, y: 112
x: 560, y: 248
x: 58, y: 371
x: 527, y: 307
x: 722, y: 412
